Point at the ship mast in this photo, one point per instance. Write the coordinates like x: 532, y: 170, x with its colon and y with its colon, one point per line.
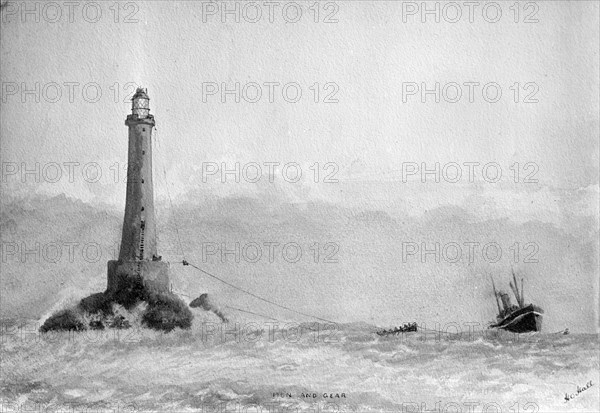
x: 515, y: 289
x: 496, y: 295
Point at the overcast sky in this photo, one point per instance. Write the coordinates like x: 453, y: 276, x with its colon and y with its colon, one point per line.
x: 181, y: 51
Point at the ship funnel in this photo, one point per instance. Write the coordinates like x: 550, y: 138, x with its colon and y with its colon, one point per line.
x: 505, y: 301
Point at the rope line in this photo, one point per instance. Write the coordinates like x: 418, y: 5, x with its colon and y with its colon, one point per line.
x: 254, y: 295
x: 184, y: 262
x: 250, y: 312
x: 233, y: 308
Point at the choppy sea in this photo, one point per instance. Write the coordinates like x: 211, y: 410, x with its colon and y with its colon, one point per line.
x: 265, y: 367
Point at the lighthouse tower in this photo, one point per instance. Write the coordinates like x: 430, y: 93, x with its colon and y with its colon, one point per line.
x: 138, y: 256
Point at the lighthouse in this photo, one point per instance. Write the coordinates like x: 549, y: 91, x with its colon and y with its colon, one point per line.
x: 139, y: 275
x: 138, y: 256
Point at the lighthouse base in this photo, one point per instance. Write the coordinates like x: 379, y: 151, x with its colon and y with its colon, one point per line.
x: 154, y: 274
x: 129, y: 283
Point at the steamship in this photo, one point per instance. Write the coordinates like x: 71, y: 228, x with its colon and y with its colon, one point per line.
x: 519, y: 318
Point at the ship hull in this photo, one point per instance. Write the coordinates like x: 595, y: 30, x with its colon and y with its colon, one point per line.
x: 524, y: 320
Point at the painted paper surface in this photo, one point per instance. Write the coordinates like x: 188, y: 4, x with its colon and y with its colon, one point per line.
x: 313, y: 182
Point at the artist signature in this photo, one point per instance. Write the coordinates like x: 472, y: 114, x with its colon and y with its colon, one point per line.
x: 579, y: 390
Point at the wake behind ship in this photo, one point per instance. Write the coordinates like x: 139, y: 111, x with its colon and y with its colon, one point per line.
x: 519, y: 318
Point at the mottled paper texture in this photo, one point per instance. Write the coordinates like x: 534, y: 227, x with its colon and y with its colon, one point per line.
x: 299, y: 206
